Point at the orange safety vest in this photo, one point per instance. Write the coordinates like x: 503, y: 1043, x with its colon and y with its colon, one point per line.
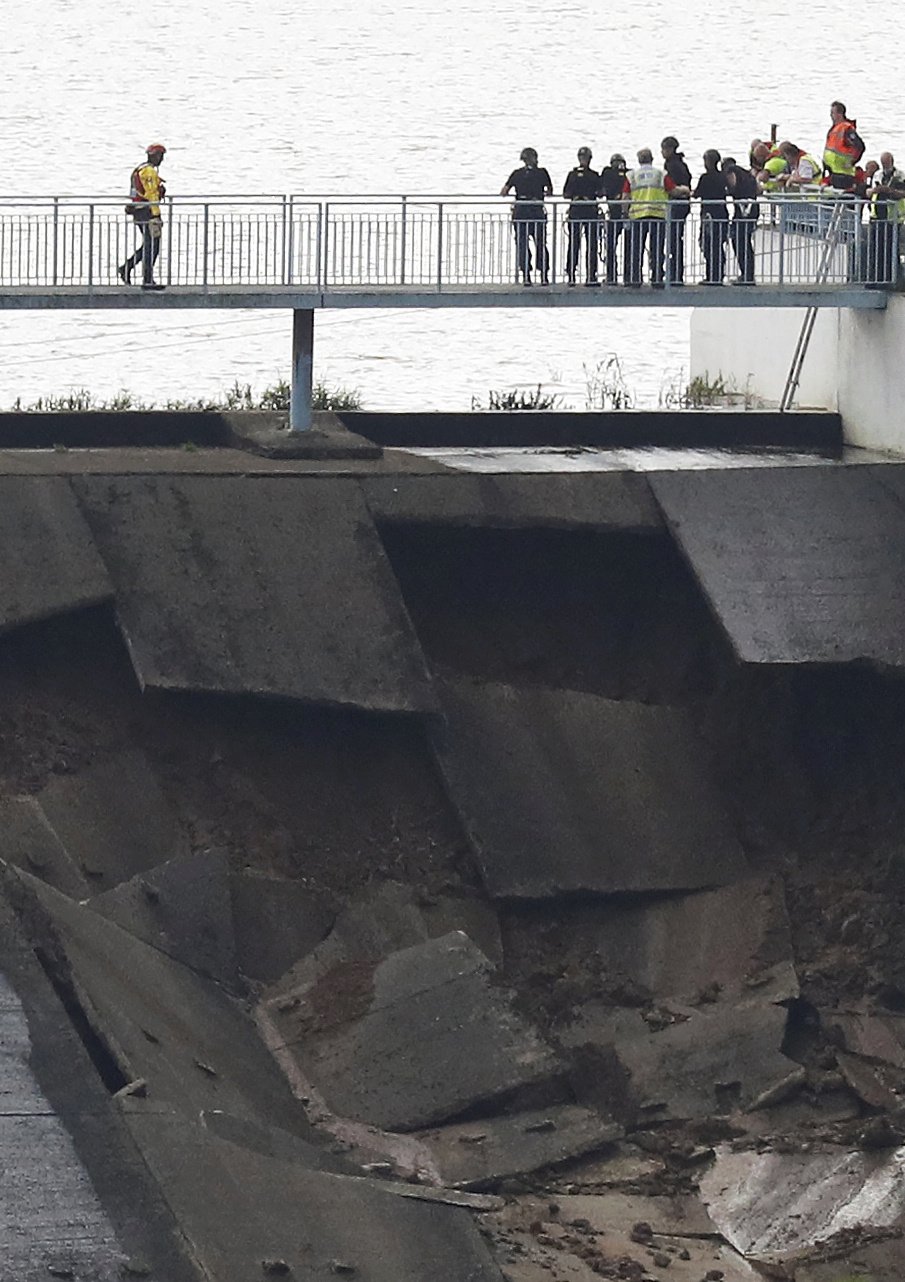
x: 839, y: 156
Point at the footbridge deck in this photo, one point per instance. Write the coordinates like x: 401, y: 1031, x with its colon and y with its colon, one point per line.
x: 308, y: 253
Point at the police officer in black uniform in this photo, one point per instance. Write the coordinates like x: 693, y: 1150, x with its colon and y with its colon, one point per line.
x: 678, y: 187
x: 613, y: 187
x: 529, y: 218
x: 582, y: 189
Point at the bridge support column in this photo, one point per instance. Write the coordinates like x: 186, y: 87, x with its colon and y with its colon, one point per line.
x: 300, y: 412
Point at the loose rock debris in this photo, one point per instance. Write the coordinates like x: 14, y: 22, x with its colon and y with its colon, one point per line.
x: 561, y: 1083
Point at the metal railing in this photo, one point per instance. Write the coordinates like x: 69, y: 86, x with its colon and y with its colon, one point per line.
x: 422, y: 243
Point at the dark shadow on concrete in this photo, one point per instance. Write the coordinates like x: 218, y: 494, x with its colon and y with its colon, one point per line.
x: 683, y: 428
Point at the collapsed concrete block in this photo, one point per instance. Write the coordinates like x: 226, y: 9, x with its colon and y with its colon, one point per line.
x: 562, y: 792
x: 776, y: 1207
x: 230, y: 584
x: 112, y: 819
x: 414, y: 1039
x: 691, y: 1063
x: 28, y: 841
x: 238, y: 1206
x: 388, y: 918
x: 182, y: 907
x: 195, y: 1047
x: 874, y: 1034
x: 476, y: 1153
x: 730, y: 943
x: 276, y: 922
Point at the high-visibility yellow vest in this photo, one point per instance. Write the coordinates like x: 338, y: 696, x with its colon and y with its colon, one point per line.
x: 648, y: 194
x: 895, y: 209
x: 146, y: 187
x: 774, y: 166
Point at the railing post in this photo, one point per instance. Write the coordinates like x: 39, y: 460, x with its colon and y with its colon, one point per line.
x: 403, y: 241
x: 440, y: 247
x: 204, y: 244
x: 300, y: 408
x: 90, y: 245
x: 56, y: 238
x: 783, y: 223
x: 169, y: 200
x: 290, y: 240
x: 555, y: 254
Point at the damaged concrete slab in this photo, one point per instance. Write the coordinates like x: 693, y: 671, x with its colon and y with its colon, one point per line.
x: 777, y: 1207
x: 182, y: 907
x: 414, y: 1039
x: 390, y: 917
x: 193, y: 1046
x: 474, y: 1154
x: 249, y: 1215
x: 229, y: 584
x: 28, y: 841
x: 562, y: 791
x: 72, y: 1177
x: 800, y: 565
x: 275, y: 922
x: 599, y: 501
x: 676, y: 1063
x: 875, y: 1034
x: 50, y: 563
x: 112, y: 818
x: 724, y: 944
x: 50, y: 1216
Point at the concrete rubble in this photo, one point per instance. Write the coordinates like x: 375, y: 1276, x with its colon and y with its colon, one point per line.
x: 184, y: 908
x: 414, y: 1039
x: 475, y: 1154
x: 777, y: 1208
x: 579, y: 994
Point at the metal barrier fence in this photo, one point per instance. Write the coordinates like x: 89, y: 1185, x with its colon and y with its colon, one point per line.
x: 434, y: 244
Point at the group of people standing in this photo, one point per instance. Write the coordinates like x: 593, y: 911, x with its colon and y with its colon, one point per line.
x: 647, y: 207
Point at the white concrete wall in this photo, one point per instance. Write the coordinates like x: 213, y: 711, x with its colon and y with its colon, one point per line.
x: 855, y: 363
x: 871, y: 377
x: 753, y: 348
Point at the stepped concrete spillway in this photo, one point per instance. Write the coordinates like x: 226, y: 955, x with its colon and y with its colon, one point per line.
x: 454, y: 860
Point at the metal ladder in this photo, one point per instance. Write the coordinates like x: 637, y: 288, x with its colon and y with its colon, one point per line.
x: 810, y: 316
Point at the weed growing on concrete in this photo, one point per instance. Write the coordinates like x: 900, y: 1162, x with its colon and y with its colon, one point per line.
x: 240, y: 396
x: 519, y: 398
x: 605, y: 385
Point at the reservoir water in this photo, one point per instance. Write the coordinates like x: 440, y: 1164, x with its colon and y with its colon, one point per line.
x: 388, y: 96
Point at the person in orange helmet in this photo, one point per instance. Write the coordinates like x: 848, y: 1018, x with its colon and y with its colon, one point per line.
x: 146, y: 192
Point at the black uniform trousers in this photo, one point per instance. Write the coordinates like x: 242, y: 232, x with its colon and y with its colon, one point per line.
x: 613, y: 230
x: 641, y: 232
x: 526, y: 230
x: 742, y: 234
x: 583, y: 224
x: 713, y: 246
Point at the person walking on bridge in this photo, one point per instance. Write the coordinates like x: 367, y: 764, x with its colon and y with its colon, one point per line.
x: 844, y: 148
x: 529, y: 218
x: 648, y: 200
x: 146, y: 192
x: 582, y: 190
